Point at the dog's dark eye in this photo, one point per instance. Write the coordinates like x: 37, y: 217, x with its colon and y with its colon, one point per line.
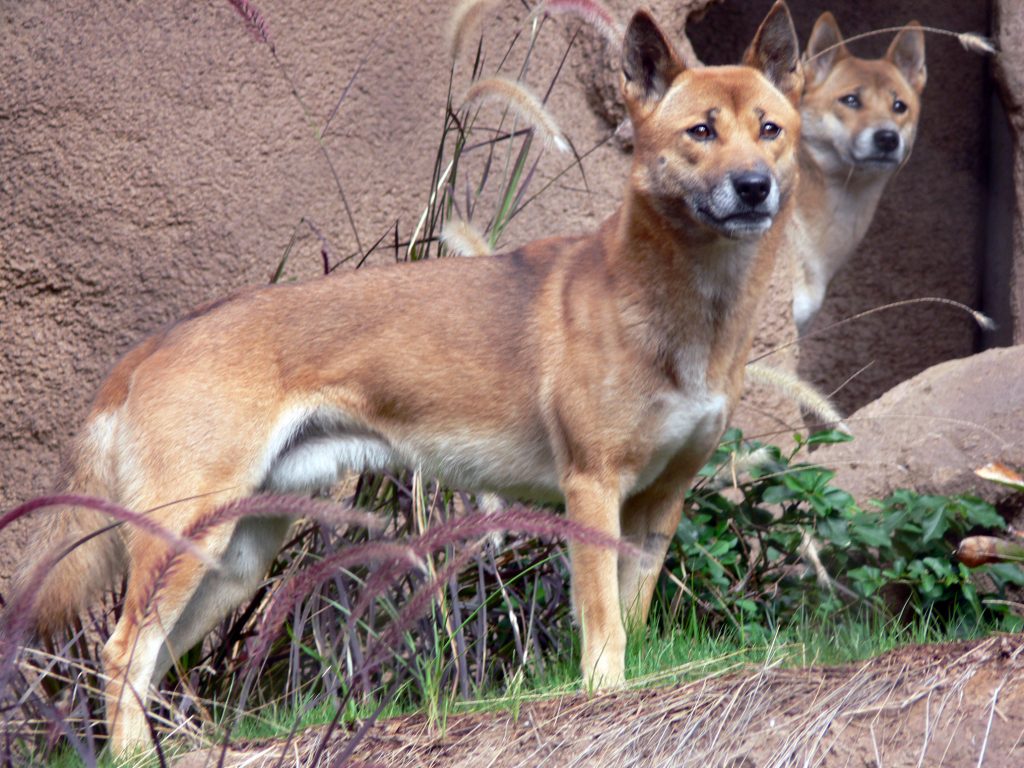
x: 899, y: 106
x: 851, y: 100
x: 702, y: 132
x: 770, y: 130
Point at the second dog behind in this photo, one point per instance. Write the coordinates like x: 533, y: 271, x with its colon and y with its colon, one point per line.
x: 860, y: 119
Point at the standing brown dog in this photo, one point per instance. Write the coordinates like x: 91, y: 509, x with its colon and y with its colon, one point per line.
x: 600, y: 370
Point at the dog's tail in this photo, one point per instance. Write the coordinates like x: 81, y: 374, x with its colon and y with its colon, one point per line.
x: 88, y: 546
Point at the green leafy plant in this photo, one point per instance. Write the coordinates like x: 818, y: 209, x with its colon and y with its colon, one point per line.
x: 767, y: 535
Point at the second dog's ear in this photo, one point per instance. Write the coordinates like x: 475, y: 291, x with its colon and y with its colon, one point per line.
x: 776, y: 52
x: 649, y: 62
x: 907, y: 53
x: 824, y: 49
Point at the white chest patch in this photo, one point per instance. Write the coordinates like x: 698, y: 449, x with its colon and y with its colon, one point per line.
x: 681, y: 423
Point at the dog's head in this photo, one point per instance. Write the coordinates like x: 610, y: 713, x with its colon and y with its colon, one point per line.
x: 857, y: 113
x: 714, y: 146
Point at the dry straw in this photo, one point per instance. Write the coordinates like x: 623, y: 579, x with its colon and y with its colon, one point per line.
x: 799, y: 391
x: 768, y: 716
x: 522, y: 102
x: 463, y: 239
x: 590, y: 12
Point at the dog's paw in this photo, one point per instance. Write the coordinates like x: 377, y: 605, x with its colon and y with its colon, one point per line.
x: 604, y: 675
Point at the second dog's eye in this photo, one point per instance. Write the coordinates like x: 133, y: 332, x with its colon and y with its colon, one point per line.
x: 851, y: 100
x: 770, y: 130
x: 701, y: 132
x: 899, y: 106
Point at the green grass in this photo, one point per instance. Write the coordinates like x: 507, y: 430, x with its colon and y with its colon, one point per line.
x: 685, y: 651
x: 654, y: 658
x: 67, y: 757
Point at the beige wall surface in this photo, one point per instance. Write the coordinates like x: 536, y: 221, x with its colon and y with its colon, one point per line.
x: 153, y: 157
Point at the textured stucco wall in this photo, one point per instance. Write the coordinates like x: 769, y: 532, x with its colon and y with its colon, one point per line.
x: 1009, y: 70
x: 153, y: 158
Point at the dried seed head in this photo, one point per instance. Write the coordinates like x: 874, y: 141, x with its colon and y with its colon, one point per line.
x: 522, y: 102
x: 972, y: 41
x: 799, y: 391
x: 463, y: 239
x: 464, y: 20
x: 254, y: 20
x: 590, y: 12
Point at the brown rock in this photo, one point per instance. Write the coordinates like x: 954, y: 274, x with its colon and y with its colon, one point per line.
x: 931, y: 432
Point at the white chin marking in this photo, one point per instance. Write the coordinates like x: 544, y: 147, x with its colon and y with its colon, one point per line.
x: 746, y: 230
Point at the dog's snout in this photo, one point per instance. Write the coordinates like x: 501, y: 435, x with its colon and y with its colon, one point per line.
x: 887, y: 140
x: 752, y: 187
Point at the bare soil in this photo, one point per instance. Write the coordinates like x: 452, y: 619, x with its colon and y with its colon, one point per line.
x: 958, y: 704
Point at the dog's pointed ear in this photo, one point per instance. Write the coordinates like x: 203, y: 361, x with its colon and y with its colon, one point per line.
x: 906, y: 52
x: 824, y: 49
x: 776, y: 52
x: 649, y: 61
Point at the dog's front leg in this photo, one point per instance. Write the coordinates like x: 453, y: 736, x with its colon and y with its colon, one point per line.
x: 595, y: 502
x: 808, y: 296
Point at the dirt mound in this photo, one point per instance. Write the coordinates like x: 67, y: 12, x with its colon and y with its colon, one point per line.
x: 959, y: 704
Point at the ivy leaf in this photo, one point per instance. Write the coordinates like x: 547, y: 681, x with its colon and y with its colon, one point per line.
x: 835, y: 530
x: 829, y: 437
x: 867, y: 579
x: 934, y: 526
x: 776, y: 494
x: 870, y: 535
x: 981, y: 513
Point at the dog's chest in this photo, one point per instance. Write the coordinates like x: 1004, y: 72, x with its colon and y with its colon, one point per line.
x: 680, y: 422
x: 684, y: 419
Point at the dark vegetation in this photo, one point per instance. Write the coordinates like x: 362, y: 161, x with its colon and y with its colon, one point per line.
x: 430, y: 601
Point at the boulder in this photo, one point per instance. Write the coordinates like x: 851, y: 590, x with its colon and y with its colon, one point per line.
x: 932, y: 431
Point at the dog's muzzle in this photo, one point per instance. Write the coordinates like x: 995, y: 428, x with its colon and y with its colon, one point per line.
x: 880, y: 147
x: 743, y: 205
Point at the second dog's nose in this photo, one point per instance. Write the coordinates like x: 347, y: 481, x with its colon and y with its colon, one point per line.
x: 887, y: 141
x: 752, y: 187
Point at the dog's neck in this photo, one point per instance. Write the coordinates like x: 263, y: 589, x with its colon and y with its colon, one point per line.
x: 681, y: 285
x: 835, y: 204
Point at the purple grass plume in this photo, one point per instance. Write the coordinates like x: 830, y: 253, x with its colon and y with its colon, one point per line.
x: 392, y: 560
x: 255, y: 21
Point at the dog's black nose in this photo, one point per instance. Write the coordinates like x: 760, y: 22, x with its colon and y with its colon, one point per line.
x: 887, y: 141
x: 752, y: 187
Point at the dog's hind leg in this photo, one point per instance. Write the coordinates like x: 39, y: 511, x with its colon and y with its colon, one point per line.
x: 172, y: 602
x: 649, y: 521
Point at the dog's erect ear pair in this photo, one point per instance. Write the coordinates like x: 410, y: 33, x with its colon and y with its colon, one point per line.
x: 826, y: 47
x: 650, y: 62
